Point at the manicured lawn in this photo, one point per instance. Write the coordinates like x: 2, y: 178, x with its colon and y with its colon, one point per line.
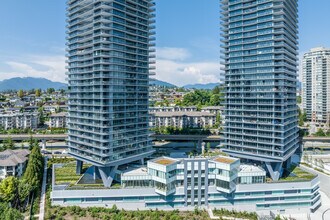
x: 67, y: 173
x: 302, y: 174
x: 295, y: 173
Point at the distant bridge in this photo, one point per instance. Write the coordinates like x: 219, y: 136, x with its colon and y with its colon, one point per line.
x: 23, y: 137
x: 159, y: 137
x: 317, y: 139
x: 166, y: 137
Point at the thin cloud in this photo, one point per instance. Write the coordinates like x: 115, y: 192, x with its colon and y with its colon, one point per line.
x: 172, y: 65
x: 172, y: 53
x: 183, y: 73
x: 50, y: 67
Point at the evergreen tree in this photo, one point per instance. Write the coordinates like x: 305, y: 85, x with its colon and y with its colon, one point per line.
x: 8, y: 144
x: 34, y: 170
x: 320, y: 133
x: 8, y: 213
x: 32, y: 142
x: 50, y: 90
x: 8, y: 189
x: 38, y: 92
x: 20, y: 93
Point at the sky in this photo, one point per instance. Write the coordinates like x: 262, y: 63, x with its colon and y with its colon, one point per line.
x: 32, y: 38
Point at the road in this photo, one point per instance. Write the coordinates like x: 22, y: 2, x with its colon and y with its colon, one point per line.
x: 324, y: 180
x: 325, y: 195
x: 43, y: 193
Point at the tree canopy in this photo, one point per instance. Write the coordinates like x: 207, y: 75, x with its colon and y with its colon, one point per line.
x: 201, y: 97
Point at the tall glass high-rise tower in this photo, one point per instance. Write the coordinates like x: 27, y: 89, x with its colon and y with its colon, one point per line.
x: 316, y: 87
x: 260, y: 53
x: 109, y: 60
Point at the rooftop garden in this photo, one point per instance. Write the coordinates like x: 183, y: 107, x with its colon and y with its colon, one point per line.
x: 214, y: 153
x: 224, y: 160
x: 294, y: 174
x: 164, y: 161
x: 67, y: 173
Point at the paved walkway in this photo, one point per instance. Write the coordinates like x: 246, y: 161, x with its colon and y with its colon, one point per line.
x: 325, y: 195
x: 211, y: 215
x: 43, y: 193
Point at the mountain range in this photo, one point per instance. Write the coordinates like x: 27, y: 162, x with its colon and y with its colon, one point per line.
x: 189, y: 86
x: 156, y: 82
x: 28, y: 83
x: 201, y: 86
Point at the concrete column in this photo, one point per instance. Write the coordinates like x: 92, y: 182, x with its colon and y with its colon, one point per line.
x: 199, y: 146
x: 288, y: 163
x: 96, y: 173
x: 275, y: 169
x: 107, y: 175
x: 79, y: 167
x: 185, y: 183
x: 43, y: 144
x: 203, y: 148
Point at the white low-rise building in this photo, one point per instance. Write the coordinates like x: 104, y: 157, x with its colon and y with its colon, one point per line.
x: 185, y: 183
x: 19, y: 121
x: 187, y: 119
x: 50, y: 108
x: 173, y: 109
x: 213, y: 109
x: 13, y: 162
x: 58, y: 120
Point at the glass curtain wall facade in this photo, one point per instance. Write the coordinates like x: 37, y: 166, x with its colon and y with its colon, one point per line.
x: 260, y: 51
x: 110, y: 57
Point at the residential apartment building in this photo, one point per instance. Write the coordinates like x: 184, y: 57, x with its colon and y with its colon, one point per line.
x: 213, y: 109
x: 110, y: 58
x: 19, y: 120
x: 215, y: 182
x: 316, y: 86
x: 173, y: 109
x: 58, y: 120
x: 182, y: 119
x: 50, y: 108
x: 260, y: 57
x: 13, y: 162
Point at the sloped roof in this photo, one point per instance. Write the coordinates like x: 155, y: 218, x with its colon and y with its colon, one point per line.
x: 13, y: 157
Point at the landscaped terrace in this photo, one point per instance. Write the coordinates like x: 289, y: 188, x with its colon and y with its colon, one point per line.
x: 295, y: 174
x: 164, y: 161
x: 66, y: 174
x: 224, y: 160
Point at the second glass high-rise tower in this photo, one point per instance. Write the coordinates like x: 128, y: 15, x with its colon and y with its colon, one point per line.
x: 260, y: 48
x: 109, y: 56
